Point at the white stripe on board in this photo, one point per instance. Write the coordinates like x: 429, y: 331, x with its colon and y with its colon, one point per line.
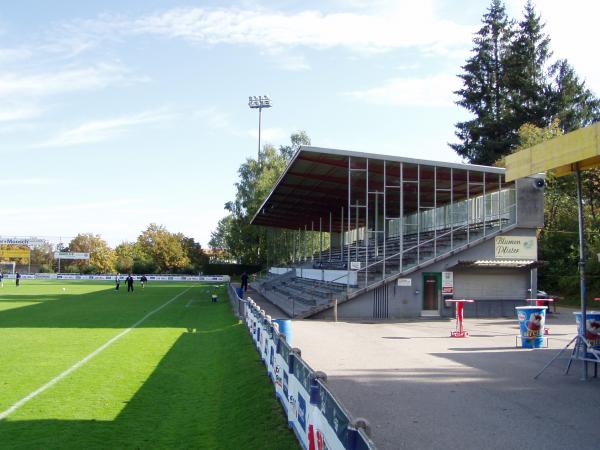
x: 77, y: 365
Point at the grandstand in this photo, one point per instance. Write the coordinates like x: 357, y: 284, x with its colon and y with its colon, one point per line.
x: 390, y: 227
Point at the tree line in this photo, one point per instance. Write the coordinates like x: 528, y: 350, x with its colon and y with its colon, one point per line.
x: 156, y: 250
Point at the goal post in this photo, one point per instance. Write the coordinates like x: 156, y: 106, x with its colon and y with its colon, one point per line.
x: 7, y: 267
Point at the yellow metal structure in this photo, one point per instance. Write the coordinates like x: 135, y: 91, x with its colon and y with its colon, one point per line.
x: 561, y: 154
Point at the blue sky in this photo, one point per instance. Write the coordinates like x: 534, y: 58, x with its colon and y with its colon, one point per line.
x: 116, y: 114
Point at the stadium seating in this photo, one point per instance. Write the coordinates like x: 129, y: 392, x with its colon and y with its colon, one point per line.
x: 299, y: 296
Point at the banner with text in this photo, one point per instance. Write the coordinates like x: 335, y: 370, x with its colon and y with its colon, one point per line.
x: 516, y: 247
x: 71, y: 255
x: 30, y: 242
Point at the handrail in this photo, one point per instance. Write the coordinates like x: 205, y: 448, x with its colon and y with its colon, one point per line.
x: 422, y: 243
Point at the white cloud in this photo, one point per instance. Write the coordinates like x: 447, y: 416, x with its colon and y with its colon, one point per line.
x: 13, y: 113
x: 426, y: 91
x: 101, y: 130
x: 287, y: 60
x: 408, y: 24
x: 65, y: 80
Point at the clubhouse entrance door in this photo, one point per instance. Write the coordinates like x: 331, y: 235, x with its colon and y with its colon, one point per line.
x: 431, y: 294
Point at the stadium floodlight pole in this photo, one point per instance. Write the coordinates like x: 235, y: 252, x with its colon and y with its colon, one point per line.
x: 260, y: 102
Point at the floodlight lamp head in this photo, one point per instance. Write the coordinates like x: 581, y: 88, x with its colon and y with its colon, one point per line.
x: 254, y: 102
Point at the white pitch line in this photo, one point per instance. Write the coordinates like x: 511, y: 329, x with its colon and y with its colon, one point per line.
x: 77, y: 365
x: 189, y: 303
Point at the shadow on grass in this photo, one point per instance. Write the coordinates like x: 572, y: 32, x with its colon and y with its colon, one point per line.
x: 209, y: 391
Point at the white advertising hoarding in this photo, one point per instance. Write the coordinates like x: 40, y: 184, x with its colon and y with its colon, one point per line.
x: 30, y: 242
x: 71, y: 255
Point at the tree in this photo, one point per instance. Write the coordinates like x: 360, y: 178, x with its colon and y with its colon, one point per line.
x: 124, y: 257
x: 488, y: 135
x: 244, y: 242
x: 194, y: 253
x: 527, y: 72
x: 43, y: 256
x: 218, y: 237
x: 570, y: 100
x: 102, y: 257
x: 164, y: 248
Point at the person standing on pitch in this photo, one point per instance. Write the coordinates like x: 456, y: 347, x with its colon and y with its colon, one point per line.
x: 18, y: 278
x: 1, y: 279
x: 129, y: 281
x: 143, y: 280
x: 117, y: 282
x: 244, y: 279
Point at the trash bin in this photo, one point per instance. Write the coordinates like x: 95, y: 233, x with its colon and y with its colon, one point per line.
x: 285, y: 329
x: 592, y: 329
x: 531, y: 325
x: 240, y: 292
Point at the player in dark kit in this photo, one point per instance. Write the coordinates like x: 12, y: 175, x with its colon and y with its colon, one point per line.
x: 18, y: 278
x: 143, y: 281
x: 129, y: 281
x: 244, y: 279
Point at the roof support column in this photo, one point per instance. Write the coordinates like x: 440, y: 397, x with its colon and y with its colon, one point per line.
x: 305, y: 243
x: 483, y: 203
x: 434, y: 211
x: 401, y: 216
x: 468, y: 207
x: 342, y: 235
x: 312, y: 241
x: 348, y: 237
x: 384, y: 216
x: 330, y: 221
x: 320, y: 240
x: 367, y: 222
x: 500, y: 212
x: 418, y: 214
x: 451, y: 209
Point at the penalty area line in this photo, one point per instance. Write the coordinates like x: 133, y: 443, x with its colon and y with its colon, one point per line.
x: 77, y: 365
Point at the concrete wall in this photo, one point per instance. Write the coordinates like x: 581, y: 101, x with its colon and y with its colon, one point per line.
x: 530, y: 203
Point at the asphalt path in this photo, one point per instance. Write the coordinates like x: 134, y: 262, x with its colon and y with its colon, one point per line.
x: 421, y: 389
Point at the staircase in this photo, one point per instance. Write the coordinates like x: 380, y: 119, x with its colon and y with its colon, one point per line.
x: 302, y: 298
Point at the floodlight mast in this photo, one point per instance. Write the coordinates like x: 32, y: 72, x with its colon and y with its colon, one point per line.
x: 260, y: 102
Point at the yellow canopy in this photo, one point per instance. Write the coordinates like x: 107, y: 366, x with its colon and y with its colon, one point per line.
x: 561, y: 154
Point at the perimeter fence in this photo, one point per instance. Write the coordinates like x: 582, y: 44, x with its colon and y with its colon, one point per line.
x: 317, y: 417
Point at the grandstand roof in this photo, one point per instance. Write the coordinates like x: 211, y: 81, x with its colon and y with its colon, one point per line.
x: 316, y: 182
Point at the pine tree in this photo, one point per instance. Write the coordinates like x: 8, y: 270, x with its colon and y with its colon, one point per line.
x: 488, y: 135
x: 527, y: 71
x: 570, y: 100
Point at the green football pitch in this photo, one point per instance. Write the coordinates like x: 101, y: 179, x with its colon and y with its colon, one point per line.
x: 84, y: 366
